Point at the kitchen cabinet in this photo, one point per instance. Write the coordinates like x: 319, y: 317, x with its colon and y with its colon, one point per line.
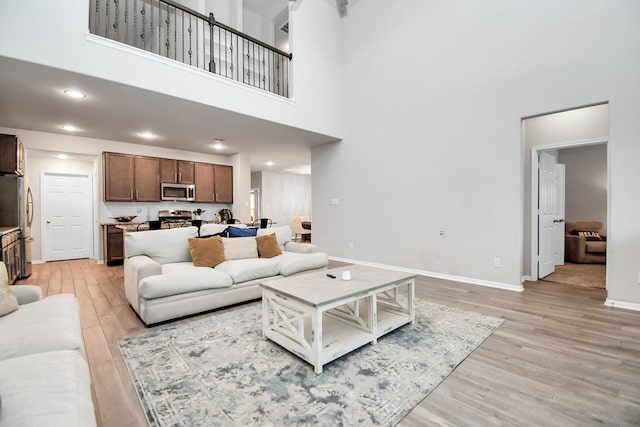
x: 118, y: 177
x: 11, y: 155
x: 129, y: 178
x: 10, y: 254
x: 113, y: 239
x: 177, y: 171
x: 147, y: 179
x: 205, y: 188
x: 223, y: 182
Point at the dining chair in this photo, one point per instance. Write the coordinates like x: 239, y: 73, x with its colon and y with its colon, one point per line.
x: 299, y: 229
x: 263, y: 222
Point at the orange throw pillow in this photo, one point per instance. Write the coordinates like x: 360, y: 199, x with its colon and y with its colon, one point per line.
x: 268, y: 246
x: 207, y: 252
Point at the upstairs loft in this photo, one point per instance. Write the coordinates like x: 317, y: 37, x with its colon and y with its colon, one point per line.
x: 171, y: 30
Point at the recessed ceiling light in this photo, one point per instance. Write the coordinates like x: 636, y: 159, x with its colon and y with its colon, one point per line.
x: 74, y: 94
x: 147, y: 135
x: 269, y: 163
x: 62, y: 156
x: 218, y: 146
x: 69, y: 128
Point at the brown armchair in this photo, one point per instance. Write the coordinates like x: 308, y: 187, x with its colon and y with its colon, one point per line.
x: 581, y: 243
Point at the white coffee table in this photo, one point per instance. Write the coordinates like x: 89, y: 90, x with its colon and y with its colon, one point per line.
x: 319, y: 318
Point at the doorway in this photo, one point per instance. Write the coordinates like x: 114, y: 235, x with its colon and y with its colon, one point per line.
x: 66, y: 216
x: 254, y: 204
x: 588, y: 201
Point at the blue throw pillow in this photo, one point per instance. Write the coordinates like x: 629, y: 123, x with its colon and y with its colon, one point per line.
x: 242, y: 232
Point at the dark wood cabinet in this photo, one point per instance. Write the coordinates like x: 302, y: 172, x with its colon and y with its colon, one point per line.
x: 205, y: 188
x: 118, y: 177
x: 11, y: 155
x: 177, y: 171
x: 223, y: 182
x: 129, y: 178
x: 10, y: 254
x: 147, y: 179
x: 113, y: 244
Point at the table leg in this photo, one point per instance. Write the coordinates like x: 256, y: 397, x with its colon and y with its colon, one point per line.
x: 412, y: 295
x: 373, y: 318
x: 316, y: 325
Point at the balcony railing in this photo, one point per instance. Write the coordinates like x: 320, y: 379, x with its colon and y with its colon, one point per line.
x: 179, y: 33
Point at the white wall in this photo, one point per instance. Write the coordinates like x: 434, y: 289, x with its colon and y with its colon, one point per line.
x: 58, y: 37
x: 585, y: 183
x: 580, y: 124
x: 283, y: 195
x: 434, y: 130
x: 252, y: 24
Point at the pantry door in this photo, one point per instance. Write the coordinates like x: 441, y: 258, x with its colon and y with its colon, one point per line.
x: 66, y: 216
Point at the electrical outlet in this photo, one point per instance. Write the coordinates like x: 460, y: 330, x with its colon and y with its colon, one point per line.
x: 497, y: 262
x: 334, y: 201
x: 351, y: 245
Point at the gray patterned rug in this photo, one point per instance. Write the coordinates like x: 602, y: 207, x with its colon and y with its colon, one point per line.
x: 218, y: 371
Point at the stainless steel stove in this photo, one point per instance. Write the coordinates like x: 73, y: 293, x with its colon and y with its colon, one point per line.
x: 174, y: 216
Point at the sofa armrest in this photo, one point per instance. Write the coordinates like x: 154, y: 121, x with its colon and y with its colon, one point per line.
x: 137, y: 268
x: 26, y: 293
x: 574, y: 248
x: 301, y: 248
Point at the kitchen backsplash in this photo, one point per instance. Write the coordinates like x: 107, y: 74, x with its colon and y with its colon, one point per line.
x: 146, y: 211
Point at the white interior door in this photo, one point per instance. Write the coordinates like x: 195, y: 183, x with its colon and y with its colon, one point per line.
x: 66, y: 202
x: 558, y: 248
x: 550, y: 214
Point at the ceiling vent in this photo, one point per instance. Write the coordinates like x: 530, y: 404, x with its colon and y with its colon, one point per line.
x: 285, y: 27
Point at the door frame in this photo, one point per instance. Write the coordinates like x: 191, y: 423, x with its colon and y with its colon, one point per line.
x: 43, y: 234
x: 534, y: 191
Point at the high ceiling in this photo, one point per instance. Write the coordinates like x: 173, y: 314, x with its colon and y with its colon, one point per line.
x: 32, y: 98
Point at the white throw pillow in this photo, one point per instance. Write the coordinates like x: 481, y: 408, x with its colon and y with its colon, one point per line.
x: 240, y: 248
x: 8, y: 301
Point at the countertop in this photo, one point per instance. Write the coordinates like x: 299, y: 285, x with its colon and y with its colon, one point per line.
x: 121, y: 223
x: 7, y: 230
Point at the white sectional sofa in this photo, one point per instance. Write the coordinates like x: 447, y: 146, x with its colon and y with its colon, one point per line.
x: 161, y: 282
x: 44, y: 378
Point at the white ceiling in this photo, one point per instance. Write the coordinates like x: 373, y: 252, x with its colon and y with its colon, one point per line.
x: 31, y: 97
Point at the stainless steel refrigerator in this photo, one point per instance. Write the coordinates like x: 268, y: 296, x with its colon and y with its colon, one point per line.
x: 16, y: 210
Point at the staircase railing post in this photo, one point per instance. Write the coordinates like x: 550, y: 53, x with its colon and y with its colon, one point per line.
x: 212, y: 62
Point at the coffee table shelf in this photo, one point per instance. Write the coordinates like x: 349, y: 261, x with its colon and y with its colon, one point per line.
x: 321, y: 319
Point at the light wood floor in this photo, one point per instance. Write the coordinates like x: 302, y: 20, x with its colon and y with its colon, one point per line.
x: 560, y: 359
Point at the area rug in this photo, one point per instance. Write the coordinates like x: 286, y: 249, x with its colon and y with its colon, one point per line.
x: 219, y: 371
x: 585, y: 275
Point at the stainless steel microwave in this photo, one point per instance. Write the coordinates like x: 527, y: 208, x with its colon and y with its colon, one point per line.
x: 181, y: 192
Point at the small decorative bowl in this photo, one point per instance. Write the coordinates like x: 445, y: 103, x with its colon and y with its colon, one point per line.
x: 126, y: 218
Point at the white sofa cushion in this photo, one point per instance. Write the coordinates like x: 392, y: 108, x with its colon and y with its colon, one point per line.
x: 163, y: 246
x: 283, y: 234
x: 46, y: 389
x: 182, y: 278
x: 243, y: 270
x: 239, y: 248
x: 291, y: 263
x: 47, y: 325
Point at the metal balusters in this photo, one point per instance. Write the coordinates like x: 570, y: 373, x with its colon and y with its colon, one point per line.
x: 166, y: 28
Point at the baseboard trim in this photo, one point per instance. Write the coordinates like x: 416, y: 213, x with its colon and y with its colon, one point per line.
x: 37, y: 261
x: 470, y: 280
x: 622, y: 304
